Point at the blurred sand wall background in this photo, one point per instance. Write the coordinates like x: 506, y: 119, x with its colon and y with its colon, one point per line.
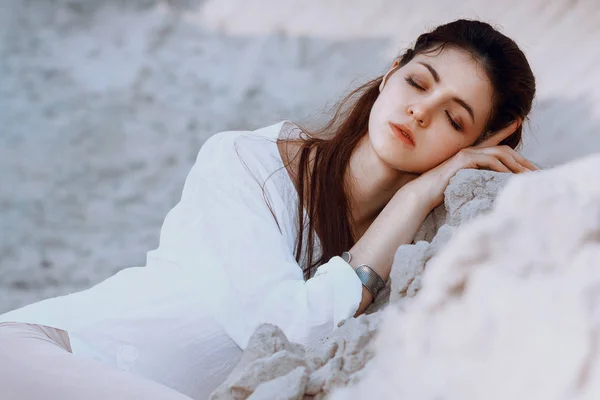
x: 105, y: 104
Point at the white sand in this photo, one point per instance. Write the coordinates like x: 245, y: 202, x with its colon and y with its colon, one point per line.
x: 104, y: 105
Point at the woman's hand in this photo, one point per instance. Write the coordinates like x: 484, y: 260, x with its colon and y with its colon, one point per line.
x: 487, y: 155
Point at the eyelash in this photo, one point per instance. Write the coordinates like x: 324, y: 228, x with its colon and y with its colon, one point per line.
x: 414, y: 84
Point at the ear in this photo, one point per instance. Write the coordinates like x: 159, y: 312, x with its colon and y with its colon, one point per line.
x: 394, y: 67
x: 501, y: 134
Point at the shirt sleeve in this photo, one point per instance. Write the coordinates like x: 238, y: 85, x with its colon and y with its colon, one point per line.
x: 225, y: 236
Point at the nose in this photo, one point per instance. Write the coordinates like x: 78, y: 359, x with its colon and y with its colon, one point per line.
x: 419, y: 113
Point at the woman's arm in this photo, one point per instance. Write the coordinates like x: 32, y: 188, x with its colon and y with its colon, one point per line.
x: 399, y: 221
x: 396, y: 225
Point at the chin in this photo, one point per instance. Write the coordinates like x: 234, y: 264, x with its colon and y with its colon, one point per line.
x: 395, y: 155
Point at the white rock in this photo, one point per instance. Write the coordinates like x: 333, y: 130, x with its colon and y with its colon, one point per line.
x: 510, y: 309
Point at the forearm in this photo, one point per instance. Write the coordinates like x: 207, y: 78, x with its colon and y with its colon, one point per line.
x: 396, y: 225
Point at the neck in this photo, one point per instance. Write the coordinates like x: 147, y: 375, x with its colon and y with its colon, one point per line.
x: 372, y: 184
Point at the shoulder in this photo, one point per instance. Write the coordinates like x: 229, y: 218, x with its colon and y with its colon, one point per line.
x: 223, y: 144
x: 256, y: 149
x: 243, y: 170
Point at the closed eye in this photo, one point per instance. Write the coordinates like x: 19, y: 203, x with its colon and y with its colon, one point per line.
x: 414, y: 84
x: 454, y: 124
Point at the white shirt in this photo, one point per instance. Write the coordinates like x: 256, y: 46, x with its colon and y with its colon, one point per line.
x: 223, y: 267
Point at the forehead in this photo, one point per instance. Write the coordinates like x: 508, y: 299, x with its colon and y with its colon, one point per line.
x: 462, y: 75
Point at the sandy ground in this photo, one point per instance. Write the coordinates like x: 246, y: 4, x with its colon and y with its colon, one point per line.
x: 104, y: 105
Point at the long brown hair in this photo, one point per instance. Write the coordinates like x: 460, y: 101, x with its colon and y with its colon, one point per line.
x: 325, y: 153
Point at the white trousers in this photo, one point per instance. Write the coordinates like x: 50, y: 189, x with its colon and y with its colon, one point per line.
x: 36, y: 363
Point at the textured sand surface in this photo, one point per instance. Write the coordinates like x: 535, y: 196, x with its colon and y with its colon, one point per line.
x: 509, y: 308
x: 104, y: 105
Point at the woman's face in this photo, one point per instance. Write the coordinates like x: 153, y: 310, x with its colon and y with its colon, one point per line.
x: 441, y: 100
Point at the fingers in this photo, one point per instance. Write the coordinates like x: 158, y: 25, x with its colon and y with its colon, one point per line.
x: 498, y: 136
x: 493, y: 143
x: 511, y: 159
x: 492, y: 163
x: 523, y: 161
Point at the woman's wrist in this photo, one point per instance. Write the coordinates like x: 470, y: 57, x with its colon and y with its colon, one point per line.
x: 369, y: 277
x: 422, y: 195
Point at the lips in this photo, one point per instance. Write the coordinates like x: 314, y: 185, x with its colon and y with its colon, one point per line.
x: 403, y: 130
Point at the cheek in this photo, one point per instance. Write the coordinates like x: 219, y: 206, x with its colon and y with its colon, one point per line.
x: 390, y: 103
x: 379, y: 116
x: 375, y: 112
x: 441, y: 150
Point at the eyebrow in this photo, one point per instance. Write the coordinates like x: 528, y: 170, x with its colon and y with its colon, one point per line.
x: 436, y: 78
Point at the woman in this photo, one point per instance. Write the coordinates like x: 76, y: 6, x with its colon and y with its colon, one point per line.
x: 260, y: 208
